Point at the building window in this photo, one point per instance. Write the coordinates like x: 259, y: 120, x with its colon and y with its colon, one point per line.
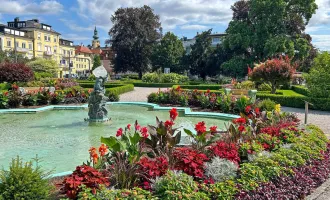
x: 23, y: 45
x: 55, y: 39
x: 17, y: 44
x: 216, y: 40
x: 55, y: 49
x: 48, y: 49
x: 39, y: 47
x: 64, y: 52
x: 39, y: 36
x: 8, y: 43
x: 30, y: 46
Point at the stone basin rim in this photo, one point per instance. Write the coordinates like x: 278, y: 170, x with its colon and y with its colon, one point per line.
x: 186, y: 111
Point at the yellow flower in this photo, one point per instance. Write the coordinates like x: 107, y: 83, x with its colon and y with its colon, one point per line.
x: 278, y: 108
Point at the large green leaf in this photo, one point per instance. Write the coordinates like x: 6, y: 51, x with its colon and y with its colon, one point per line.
x: 188, y: 132
x: 135, y: 139
x: 110, y: 141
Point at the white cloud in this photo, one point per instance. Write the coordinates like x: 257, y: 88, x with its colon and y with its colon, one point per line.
x: 27, y: 7
x: 172, y: 13
x: 321, y: 41
x: 193, y: 27
x: 75, y: 27
x: 322, y: 15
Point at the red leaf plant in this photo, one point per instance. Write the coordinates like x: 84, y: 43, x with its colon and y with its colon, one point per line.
x: 83, y: 175
x: 225, y: 150
x: 190, y: 161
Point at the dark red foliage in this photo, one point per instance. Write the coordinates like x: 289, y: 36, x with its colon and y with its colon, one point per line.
x: 152, y: 168
x: 15, y: 72
x: 225, y: 150
x: 298, y: 186
x: 190, y: 161
x: 85, y: 175
x: 276, y: 129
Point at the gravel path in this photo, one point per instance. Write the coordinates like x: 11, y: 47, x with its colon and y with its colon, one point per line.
x: 319, y: 118
x: 139, y: 94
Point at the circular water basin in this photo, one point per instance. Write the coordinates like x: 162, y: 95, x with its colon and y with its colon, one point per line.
x: 61, y: 138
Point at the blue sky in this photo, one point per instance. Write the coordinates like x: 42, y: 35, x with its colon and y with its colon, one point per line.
x: 75, y: 19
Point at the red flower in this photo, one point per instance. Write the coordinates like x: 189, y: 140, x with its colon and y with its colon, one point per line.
x: 208, y: 91
x: 200, y: 127
x: 178, y: 88
x: 169, y: 123
x: 137, y: 127
x: 93, y: 154
x: 119, y: 132
x: 14, y: 87
x: 173, y: 113
x: 225, y: 150
x: 248, y: 109
x: 213, y: 129
x: 240, y: 120
x: 144, y: 132
x: 128, y: 126
x: 257, y: 111
x: 5, y: 93
x: 241, y: 128
x: 265, y: 146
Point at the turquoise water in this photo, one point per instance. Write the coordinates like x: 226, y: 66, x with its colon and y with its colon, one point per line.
x: 61, y: 138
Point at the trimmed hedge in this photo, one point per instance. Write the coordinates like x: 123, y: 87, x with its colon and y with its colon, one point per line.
x: 295, y: 100
x: 120, y: 89
x: 153, y: 85
x: 300, y: 89
x: 199, y: 87
x: 91, y: 85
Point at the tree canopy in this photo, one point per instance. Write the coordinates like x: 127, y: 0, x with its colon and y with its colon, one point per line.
x: 96, y: 61
x: 11, y: 56
x: 263, y: 29
x: 318, y: 80
x: 168, y: 53
x: 133, y: 34
x: 42, y: 65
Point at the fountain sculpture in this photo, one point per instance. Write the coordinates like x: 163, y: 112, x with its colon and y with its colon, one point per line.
x: 96, y: 103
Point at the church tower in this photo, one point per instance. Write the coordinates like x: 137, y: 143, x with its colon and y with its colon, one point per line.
x: 95, y: 41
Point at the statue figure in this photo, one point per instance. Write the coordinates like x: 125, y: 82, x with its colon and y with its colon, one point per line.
x: 96, y: 103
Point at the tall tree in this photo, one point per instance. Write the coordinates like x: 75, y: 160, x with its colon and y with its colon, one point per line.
x: 262, y: 29
x: 96, y: 61
x: 42, y: 65
x: 199, y: 55
x: 168, y: 53
x: 133, y: 34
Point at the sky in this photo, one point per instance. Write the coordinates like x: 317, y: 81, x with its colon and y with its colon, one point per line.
x: 76, y: 19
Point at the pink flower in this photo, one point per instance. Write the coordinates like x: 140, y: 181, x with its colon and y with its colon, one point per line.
x: 144, y: 132
x: 119, y: 132
x: 128, y: 126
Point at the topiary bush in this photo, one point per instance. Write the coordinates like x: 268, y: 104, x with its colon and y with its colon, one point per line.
x: 23, y: 181
x: 267, y: 105
x: 113, y: 97
x: 15, y: 72
x: 164, y: 78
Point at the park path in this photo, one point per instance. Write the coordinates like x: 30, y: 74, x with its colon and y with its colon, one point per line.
x: 319, y: 118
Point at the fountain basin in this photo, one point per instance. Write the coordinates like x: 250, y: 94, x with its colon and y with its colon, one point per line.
x: 61, y: 137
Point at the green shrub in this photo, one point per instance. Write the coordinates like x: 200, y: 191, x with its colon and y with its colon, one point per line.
x: 151, y: 78
x: 199, y: 87
x: 23, y: 181
x: 91, y: 77
x: 290, y: 158
x: 120, y: 89
x: 91, y: 85
x: 251, y: 175
x: 29, y: 100
x: 264, y: 87
x: 113, y: 97
x: 153, y: 98
x: 270, y: 168
x: 290, y: 99
x: 131, y: 76
x: 174, y: 184
x: 153, y: 85
x: 246, y: 85
x: 300, y: 90
x: 5, y: 86
x: 267, y: 105
x: 40, y: 75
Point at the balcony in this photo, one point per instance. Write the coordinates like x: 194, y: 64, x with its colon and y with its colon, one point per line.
x: 22, y: 50
x: 48, y: 53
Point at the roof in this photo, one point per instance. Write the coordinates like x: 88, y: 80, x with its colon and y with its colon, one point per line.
x: 83, y: 49
x: 96, y: 51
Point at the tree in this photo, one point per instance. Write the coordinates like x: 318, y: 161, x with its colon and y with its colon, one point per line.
x: 275, y: 71
x: 11, y: 56
x: 15, y: 72
x: 318, y: 80
x: 199, y: 55
x: 133, y: 35
x: 41, y: 65
x: 168, y: 53
x: 263, y: 29
x: 96, y: 61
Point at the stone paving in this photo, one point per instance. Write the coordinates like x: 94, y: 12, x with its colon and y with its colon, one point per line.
x: 319, y: 118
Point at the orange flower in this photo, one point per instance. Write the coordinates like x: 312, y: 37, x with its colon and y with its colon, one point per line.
x: 103, y: 149
x: 93, y: 154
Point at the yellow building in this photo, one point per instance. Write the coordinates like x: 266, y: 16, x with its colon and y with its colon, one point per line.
x: 84, y: 60
x: 12, y: 39
x: 66, y: 56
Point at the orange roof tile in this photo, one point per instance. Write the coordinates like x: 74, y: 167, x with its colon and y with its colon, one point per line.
x: 97, y: 51
x: 83, y: 49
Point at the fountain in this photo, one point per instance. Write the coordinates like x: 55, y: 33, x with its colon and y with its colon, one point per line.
x: 96, y: 103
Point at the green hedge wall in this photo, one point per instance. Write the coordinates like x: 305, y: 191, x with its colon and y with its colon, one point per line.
x: 199, y: 87
x: 91, y: 85
x: 300, y: 89
x: 153, y: 85
x: 120, y: 89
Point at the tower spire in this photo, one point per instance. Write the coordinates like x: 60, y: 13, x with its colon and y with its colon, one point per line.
x: 95, y: 36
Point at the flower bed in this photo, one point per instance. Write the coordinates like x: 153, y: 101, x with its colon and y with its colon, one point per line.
x: 204, y: 99
x: 262, y: 155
